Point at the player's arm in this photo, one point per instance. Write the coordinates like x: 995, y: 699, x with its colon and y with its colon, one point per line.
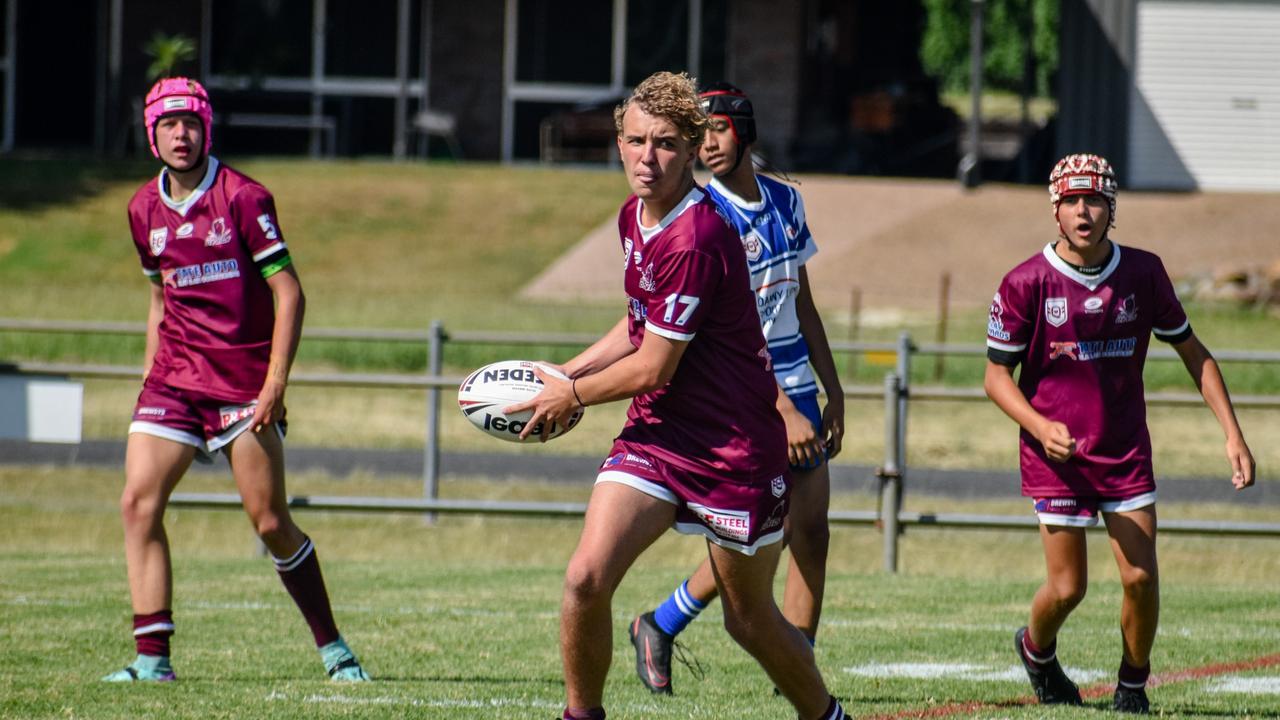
x: 645, y: 370
x: 1205, y: 372
x: 155, y: 313
x: 1004, y: 392
x: 615, y: 345
x: 290, y: 308
x: 824, y: 365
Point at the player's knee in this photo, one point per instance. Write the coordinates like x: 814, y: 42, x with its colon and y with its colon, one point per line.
x: 1139, y: 581
x: 1069, y: 592
x: 139, y: 509
x: 584, y: 583
x: 746, y: 629
x: 271, y: 527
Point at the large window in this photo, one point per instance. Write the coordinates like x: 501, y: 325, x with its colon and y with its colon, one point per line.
x: 256, y: 38
x: 584, y: 55
x: 564, y: 41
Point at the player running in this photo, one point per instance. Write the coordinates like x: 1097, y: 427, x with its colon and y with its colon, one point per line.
x: 703, y: 448
x: 1078, y: 316
x: 225, y: 317
x: 769, y: 218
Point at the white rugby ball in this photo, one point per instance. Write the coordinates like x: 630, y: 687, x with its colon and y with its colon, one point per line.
x: 485, y: 392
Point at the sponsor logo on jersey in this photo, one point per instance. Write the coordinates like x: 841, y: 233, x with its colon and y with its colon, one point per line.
x: 1093, y: 305
x: 760, y: 220
x: 626, y: 250
x: 1127, y: 311
x: 1094, y: 349
x: 218, y: 234
x: 778, y: 487
x: 1055, y: 311
x: 204, y: 273
x: 1062, y: 349
x: 995, y: 320
x: 638, y: 310
x: 646, y: 279
x: 753, y: 246
x: 185, y: 230
x: 153, y: 411
x: 159, y: 236
x: 729, y: 524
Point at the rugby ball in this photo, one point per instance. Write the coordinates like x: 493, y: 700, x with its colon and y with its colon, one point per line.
x: 485, y: 392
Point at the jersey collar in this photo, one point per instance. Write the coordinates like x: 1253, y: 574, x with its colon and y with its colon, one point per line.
x: 183, y: 207
x: 747, y: 205
x: 1090, y: 281
x: 694, y: 197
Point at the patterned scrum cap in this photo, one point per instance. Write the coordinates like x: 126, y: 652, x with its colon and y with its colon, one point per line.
x: 724, y: 100
x: 1083, y: 174
x: 171, y: 96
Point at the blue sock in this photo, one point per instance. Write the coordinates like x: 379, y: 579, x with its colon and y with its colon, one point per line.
x: 677, y: 611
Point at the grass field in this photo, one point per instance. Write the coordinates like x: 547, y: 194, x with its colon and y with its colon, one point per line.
x: 459, y: 619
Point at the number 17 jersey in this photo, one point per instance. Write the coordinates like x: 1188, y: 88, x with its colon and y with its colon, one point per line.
x: 686, y: 279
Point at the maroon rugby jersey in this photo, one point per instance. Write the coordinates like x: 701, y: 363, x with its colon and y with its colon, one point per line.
x: 687, y: 279
x: 1085, y: 341
x: 212, y: 252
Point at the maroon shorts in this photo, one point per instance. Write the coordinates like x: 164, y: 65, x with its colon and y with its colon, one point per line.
x: 185, y: 416
x: 742, y: 516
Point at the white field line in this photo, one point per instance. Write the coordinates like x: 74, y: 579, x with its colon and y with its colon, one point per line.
x: 627, y: 709
x: 1265, y: 685
x: 962, y: 671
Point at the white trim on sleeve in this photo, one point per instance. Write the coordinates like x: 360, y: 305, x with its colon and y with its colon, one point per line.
x: 1005, y: 346
x: 1172, y: 333
x: 667, y: 333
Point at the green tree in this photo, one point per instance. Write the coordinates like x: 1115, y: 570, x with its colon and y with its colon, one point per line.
x: 168, y: 53
x: 944, y: 49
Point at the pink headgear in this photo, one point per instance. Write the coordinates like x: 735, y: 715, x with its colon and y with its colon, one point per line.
x: 171, y: 96
x: 1083, y: 174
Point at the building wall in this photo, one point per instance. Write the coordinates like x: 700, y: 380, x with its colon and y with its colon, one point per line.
x: 466, y: 73
x: 766, y: 42
x: 1095, y: 74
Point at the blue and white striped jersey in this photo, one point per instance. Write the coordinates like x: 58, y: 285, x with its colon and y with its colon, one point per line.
x: 776, y: 239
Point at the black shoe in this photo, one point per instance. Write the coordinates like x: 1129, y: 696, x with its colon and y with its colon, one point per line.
x: 1051, y: 684
x: 653, y: 653
x: 1131, y: 700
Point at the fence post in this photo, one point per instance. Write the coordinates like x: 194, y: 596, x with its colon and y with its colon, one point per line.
x: 890, y: 474
x: 431, y: 457
x: 905, y: 349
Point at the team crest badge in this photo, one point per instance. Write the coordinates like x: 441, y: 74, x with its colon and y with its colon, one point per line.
x: 646, y: 279
x: 626, y: 251
x: 1128, y: 310
x: 159, y: 236
x: 752, y: 245
x: 1055, y: 311
x: 218, y: 234
x: 778, y: 486
x: 995, y: 320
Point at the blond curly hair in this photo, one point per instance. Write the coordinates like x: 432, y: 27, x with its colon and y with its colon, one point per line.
x: 671, y: 97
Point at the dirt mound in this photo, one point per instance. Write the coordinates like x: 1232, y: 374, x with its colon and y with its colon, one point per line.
x: 893, y: 239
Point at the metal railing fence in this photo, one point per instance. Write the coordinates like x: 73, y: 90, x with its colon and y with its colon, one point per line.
x: 896, y: 395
